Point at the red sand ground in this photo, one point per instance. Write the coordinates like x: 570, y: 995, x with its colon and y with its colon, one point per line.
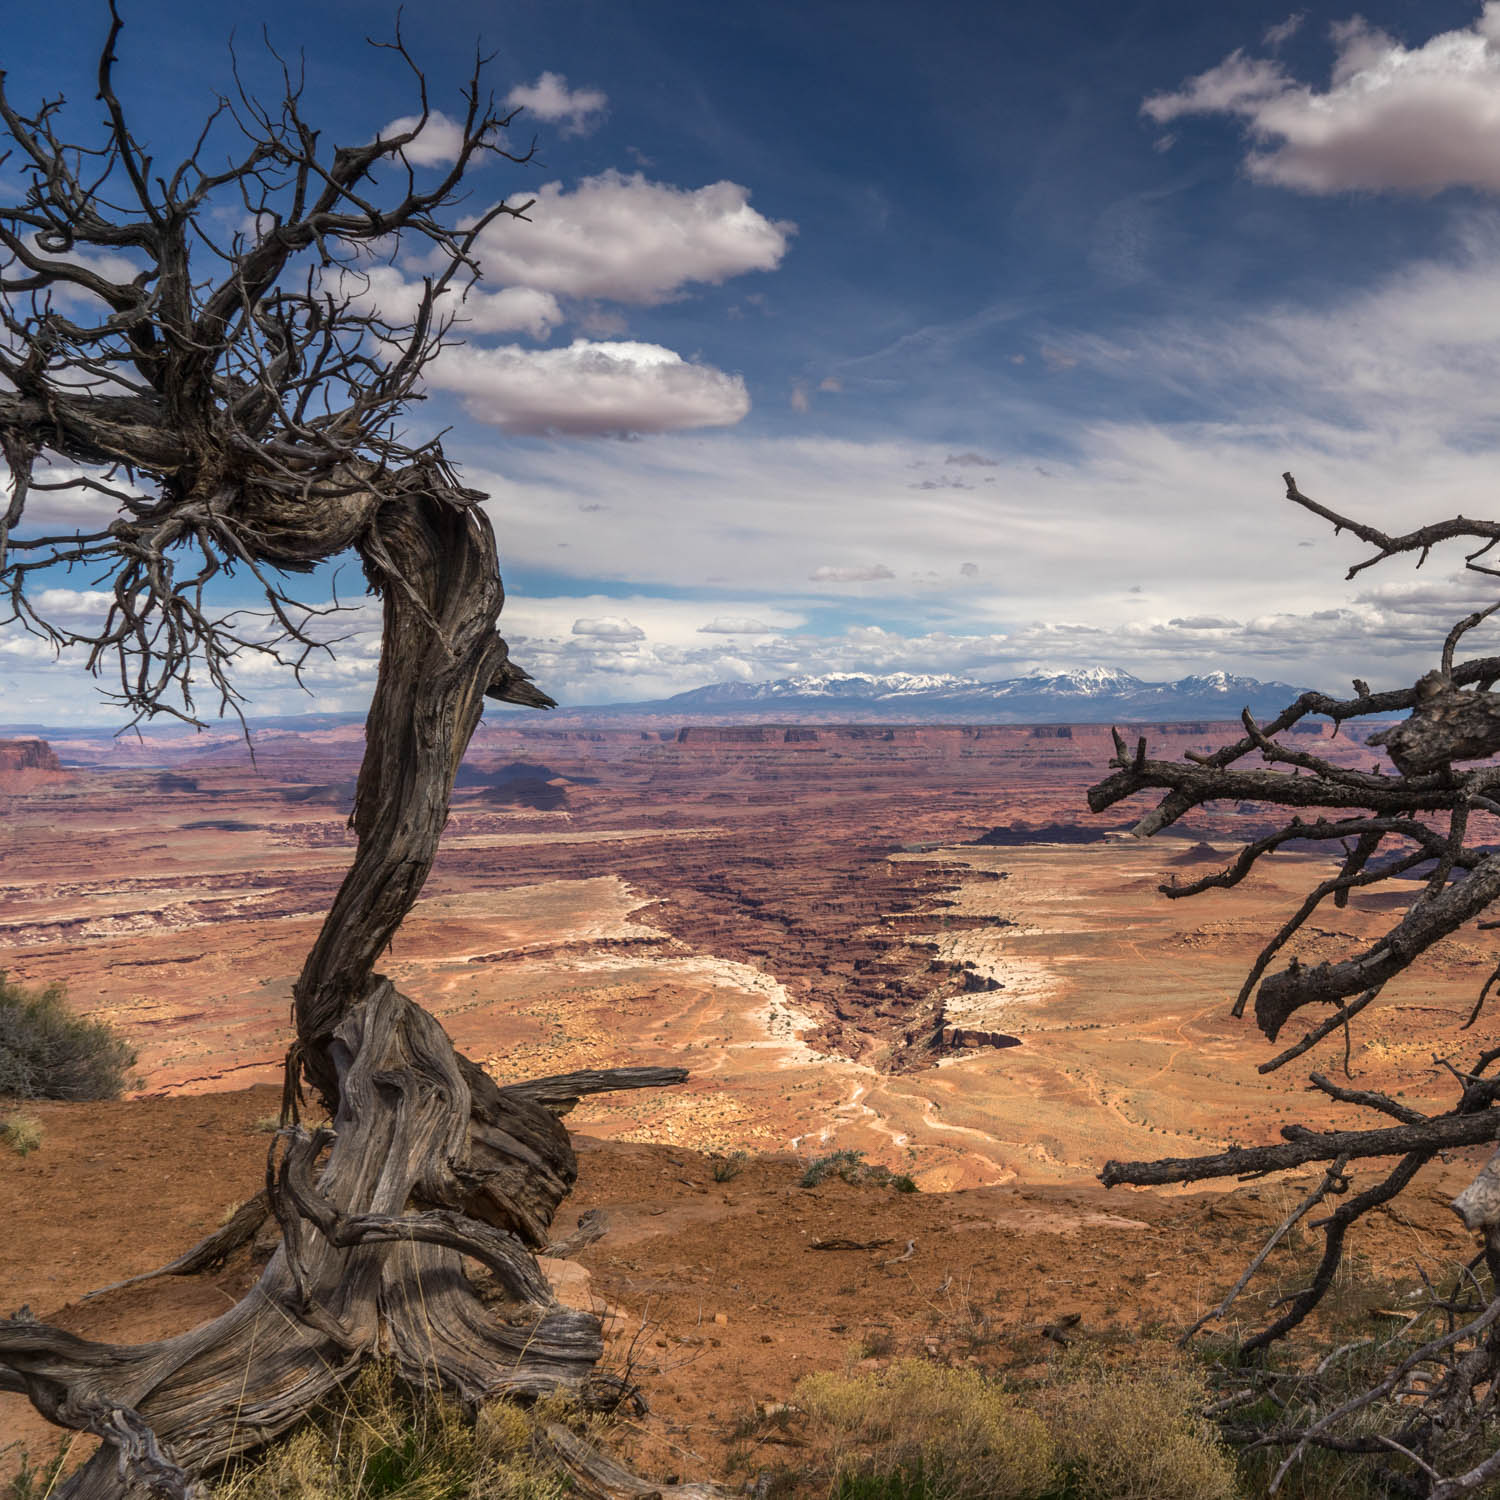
x: 717, y: 1300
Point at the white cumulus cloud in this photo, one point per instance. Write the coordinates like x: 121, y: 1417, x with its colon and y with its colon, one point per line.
x: 62, y: 498
x: 437, y: 142
x: 625, y: 239
x: 590, y: 389
x: 383, y: 290
x: 71, y: 604
x: 550, y: 99
x: 1393, y: 118
x: 609, y: 628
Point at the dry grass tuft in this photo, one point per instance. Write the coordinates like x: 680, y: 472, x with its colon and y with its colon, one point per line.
x: 380, y: 1441
x: 1136, y: 1433
x: 919, y: 1429
x: 22, y: 1133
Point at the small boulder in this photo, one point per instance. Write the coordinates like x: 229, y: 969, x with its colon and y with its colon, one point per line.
x: 571, y: 1284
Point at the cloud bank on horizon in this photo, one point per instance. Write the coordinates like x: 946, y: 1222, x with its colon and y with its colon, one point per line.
x: 1002, y: 379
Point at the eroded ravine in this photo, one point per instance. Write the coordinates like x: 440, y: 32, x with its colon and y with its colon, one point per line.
x: 788, y: 922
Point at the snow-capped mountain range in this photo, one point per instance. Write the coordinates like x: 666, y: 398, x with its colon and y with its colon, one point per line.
x: 1084, y: 695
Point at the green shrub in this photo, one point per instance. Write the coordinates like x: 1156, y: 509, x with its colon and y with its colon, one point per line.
x: 919, y: 1431
x: 850, y: 1166
x: 22, y: 1133
x: 887, y: 1484
x: 48, y: 1052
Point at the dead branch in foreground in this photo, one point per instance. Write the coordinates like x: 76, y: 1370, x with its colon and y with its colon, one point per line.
x: 1382, y: 826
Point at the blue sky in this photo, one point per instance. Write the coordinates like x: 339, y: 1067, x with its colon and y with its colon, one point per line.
x: 847, y: 339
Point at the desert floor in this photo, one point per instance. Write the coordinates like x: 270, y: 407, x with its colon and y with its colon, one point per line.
x: 790, y: 919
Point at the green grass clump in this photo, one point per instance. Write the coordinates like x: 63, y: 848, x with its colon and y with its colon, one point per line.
x: 33, y: 1481
x: 727, y: 1168
x: 48, y: 1052
x: 381, y: 1441
x: 851, y: 1167
x: 918, y: 1431
x: 22, y: 1133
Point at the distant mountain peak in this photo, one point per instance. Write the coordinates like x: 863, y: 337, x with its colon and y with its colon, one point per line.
x: 1087, y: 694
x: 1085, y: 680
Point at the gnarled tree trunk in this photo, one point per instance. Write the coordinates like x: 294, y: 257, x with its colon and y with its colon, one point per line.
x: 428, y: 1161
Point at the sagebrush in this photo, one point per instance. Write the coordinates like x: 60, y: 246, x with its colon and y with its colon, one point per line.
x: 850, y: 1166
x: 47, y: 1051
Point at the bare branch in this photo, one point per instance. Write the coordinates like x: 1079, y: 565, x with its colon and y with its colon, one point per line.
x: 1383, y: 826
x: 251, y: 385
x: 1440, y: 1133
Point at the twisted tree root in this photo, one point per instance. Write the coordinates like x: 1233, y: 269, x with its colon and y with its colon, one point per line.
x: 371, y: 1262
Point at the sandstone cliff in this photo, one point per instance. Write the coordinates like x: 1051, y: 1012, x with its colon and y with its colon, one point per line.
x: 25, y: 764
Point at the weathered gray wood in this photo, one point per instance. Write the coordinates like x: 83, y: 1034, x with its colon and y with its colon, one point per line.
x: 357, y: 1273
x: 1447, y: 725
x: 1281, y: 995
x: 562, y: 1091
x: 434, y: 564
x: 430, y: 1160
x: 598, y: 1477
x: 1442, y: 1133
x: 1479, y: 1203
x: 592, y: 1227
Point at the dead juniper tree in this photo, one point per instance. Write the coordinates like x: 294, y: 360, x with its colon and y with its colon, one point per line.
x: 194, y: 348
x: 1440, y: 1387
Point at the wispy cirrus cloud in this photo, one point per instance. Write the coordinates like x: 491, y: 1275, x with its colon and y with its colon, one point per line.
x: 1283, y: 31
